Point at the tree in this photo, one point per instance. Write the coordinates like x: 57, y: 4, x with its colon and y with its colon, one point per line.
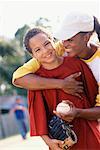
x: 20, y: 34
x: 11, y: 56
x: 43, y: 22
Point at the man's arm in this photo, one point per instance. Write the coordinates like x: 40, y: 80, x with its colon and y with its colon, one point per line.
x: 98, y: 96
x: 92, y: 113
x: 34, y: 82
x: 30, y: 67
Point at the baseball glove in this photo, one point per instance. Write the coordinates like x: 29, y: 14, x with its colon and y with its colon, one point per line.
x: 61, y: 130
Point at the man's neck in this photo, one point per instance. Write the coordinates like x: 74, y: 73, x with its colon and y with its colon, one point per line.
x: 89, y: 52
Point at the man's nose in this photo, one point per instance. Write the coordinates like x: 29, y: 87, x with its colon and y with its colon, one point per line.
x: 65, y: 43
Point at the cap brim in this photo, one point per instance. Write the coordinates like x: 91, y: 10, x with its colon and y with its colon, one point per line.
x: 62, y: 35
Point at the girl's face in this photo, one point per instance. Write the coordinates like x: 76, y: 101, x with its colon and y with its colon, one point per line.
x: 42, y: 48
x: 76, y: 46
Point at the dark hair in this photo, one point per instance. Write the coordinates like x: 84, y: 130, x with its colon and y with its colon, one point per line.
x: 97, y: 27
x: 31, y: 33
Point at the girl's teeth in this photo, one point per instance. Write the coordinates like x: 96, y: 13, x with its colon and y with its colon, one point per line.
x: 48, y: 56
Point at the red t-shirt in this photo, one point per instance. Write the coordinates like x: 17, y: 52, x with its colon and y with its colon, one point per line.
x: 87, y: 132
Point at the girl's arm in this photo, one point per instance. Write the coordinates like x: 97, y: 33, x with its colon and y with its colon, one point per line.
x: 53, y: 144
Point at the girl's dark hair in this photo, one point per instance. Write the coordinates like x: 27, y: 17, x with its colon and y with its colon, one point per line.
x: 31, y: 33
x: 97, y: 27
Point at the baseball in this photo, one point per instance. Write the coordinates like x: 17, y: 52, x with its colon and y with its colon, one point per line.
x: 63, y: 108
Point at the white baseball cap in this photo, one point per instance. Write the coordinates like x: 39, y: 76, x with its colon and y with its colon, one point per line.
x: 74, y: 23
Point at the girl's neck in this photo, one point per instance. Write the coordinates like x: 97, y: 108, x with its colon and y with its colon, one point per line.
x: 56, y: 63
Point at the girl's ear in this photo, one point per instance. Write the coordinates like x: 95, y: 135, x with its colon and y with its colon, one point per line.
x: 32, y: 55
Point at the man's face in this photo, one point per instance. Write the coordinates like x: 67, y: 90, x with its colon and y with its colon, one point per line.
x: 75, y: 45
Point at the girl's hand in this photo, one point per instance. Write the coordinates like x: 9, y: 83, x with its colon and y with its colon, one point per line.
x: 53, y: 143
x: 56, y: 144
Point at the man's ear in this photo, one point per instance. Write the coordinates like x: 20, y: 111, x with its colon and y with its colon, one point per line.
x: 87, y: 36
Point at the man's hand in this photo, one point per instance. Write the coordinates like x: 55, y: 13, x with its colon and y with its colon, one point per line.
x: 70, y: 115
x: 72, y: 86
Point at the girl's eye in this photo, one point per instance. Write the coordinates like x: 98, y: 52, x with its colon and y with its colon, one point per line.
x: 36, y: 50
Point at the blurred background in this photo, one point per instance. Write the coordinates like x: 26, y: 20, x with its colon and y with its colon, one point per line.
x: 16, y: 17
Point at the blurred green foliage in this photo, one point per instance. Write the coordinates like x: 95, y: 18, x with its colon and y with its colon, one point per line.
x: 13, y: 55
x: 20, y: 34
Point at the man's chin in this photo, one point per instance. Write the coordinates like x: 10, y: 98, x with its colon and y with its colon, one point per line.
x: 71, y: 55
